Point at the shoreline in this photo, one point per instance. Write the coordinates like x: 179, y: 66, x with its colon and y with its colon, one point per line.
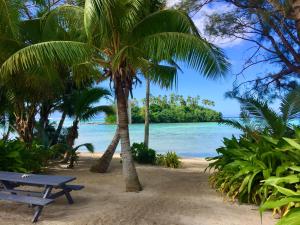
x: 98, y: 154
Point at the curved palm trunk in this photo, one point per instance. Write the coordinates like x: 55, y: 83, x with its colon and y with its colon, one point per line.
x: 129, y: 171
x: 72, y: 135
x: 146, y: 135
x: 59, y: 128
x: 103, y: 163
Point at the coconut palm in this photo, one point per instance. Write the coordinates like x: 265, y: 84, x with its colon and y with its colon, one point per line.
x: 122, y: 40
x: 83, y: 109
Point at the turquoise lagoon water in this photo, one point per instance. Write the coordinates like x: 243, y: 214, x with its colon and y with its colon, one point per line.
x: 186, y: 139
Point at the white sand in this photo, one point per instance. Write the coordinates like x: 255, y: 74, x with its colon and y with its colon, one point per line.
x: 170, y: 196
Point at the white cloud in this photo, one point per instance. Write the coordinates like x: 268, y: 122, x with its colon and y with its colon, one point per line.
x: 200, y: 19
x: 171, y: 3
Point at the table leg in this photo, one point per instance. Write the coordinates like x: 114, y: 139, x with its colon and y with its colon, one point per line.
x: 38, y: 209
x: 68, y: 196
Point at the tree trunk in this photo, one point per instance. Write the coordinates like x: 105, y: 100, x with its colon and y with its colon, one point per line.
x: 129, y: 171
x: 71, y: 137
x: 146, y: 134
x: 103, y: 163
x: 296, y: 14
x: 59, y: 128
x: 25, y: 128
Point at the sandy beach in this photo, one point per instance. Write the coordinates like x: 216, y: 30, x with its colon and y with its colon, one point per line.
x: 170, y: 197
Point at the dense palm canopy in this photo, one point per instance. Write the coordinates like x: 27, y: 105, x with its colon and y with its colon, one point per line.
x: 122, y: 39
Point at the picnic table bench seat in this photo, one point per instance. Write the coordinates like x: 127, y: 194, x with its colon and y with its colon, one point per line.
x: 25, y: 199
x: 38, y: 199
x: 74, y: 187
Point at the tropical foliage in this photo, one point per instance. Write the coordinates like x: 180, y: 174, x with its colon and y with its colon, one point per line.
x: 175, y: 109
x: 262, y: 165
x: 142, y: 154
x: 21, y: 157
x: 117, y: 39
x: 145, y: 155
x: 170, y: 159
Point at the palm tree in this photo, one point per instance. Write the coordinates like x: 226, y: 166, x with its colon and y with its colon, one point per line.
x: 121, y: 39
x: 260, y: 117
x: 101, y: 166
x: 82, y: 109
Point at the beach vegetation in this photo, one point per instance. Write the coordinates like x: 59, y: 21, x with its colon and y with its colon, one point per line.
x: 17, y: 156
x: 82, y: 108
x: 120, y: 47
x: 174, y: 109
x: 143, y: 154
x: 170, y: 159
x: 262, y: 165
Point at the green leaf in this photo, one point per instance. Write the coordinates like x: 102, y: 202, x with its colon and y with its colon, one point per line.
x: 278, y: 203
x: 292, y: 142
x: 292, y: 218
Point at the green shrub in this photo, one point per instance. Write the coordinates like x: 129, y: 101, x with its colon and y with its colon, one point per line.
x: 142, y: 154
x: 160, y: 160
x: 262, y: 170
x: 111, y: 119
x: 18, y: 156
x: 285, y: 197
x: 170, y: 159
x: 243, y: 163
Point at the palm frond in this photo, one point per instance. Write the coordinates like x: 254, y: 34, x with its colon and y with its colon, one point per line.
x: 94, y: 111
x: 83, y: 100
x: 9, y: 18
x: 84, y: 73
x: 88, y: 146
x: 164, y: 21
x: 290, y: 105
x: 196, y: 52
x: 234, y: 123
x: 261, y: 111
x: 46, y: 53
x: 163, y: 75
x: 64, y: 23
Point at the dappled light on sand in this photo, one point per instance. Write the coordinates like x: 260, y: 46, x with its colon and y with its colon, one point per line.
x: 170, y: 196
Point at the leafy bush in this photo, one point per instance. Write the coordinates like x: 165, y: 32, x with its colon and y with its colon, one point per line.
x: 285, y: 194
x: 160, y: 160
x: 244, y: 163
x: 142, y: 154
x: 170, y: 159
x: 18, y: 156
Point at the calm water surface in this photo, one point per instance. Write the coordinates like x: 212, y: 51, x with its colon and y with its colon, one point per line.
x: 187, y: 139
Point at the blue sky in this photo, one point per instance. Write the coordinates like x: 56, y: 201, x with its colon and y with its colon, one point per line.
x: 192, y: 83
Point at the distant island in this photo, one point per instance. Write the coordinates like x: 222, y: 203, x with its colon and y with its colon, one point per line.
x: 173, y: 109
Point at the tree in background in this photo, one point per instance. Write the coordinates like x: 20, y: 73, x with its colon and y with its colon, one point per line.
x: 175, y: 109
x: 122, y: 41
x: 272, y: 29
x: 82, y: 109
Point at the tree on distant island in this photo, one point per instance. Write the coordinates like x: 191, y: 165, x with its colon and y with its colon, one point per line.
x: 174, y: 109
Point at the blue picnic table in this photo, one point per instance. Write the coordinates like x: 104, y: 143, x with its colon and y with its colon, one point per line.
x: 11, y: 191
